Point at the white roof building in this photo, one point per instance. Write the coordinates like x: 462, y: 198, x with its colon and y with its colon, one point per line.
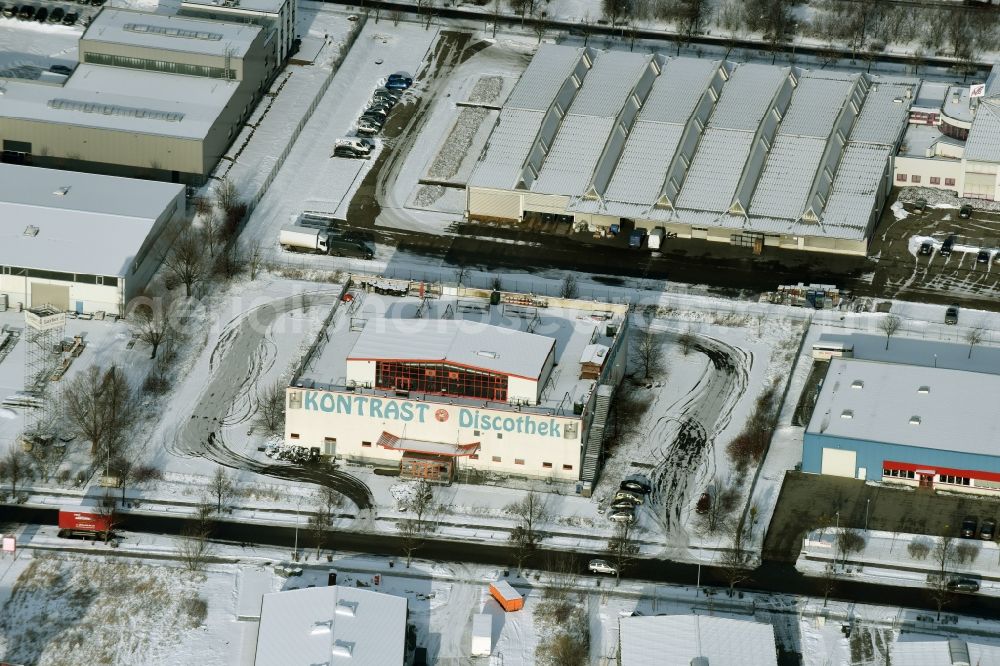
x: 331, y: 625
x: 917, y: 650
x: 678, y: 640
x: 169, y: 32
x: 781, y: 152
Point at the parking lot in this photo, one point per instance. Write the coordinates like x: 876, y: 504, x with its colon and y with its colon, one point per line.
x: 810, y: 501
x: 901, y: 272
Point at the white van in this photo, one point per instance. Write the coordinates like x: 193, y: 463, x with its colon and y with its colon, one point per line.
x: 655, y: 239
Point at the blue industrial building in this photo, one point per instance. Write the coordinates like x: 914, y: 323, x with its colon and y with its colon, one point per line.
x: 915, y: 425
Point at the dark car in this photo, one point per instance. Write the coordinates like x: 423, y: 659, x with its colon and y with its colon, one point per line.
x: 965, y: 212
x: 42, y: 14
x: 636, y: 239
x: 946, y: 246
x: 386, y: 94
x: 622, y: 505
x: 920, y: 205
x: 637, y: 484
x: 27, y: 13
x: 969, y: 526
x: 376, y: 112
x: 704, y: 503
x: 399, y: 81
x: 57, y: 14
x: 951, y: 314
x: 10, y: 12
x: 988, y: 530
x: 61, y: 69
x: 963, y: 585
x: 347, y: 151
x: 926, y: 248
x: 70, y: 18
x: 983, y: 257
x: 97, y: 3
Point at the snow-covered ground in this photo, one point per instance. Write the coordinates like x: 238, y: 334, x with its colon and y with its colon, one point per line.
x: 30, y: 48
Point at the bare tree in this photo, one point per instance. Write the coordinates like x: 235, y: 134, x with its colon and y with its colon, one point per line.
x: 15, y: 467
x: 569, y: 288
x: 829, y: 581
x: 195, y: 548
x: 529, y: 512
x: 966, y: 552
x: 411, y: 537
x: 622, y: 549
x: 108, y: 511
x: 723, y: 498
x: 150, y: 322
x: 889, y: 325
x: 271, y: 408
x: 648, y: 354
x: 226, y: 195
x: 319, y: 522
x: 421, y: 502
x: 102, y: 406
x: 974, y: 336
x: 540, y: 26
x: 686, y: 341
x: 211, y: 233
x: 849, y: 541
x: 736, y: 560
x: 222, y: 487
x: 254, y: 254
x: 563, y: 574
x: 614, y: 9
x: 944, y: 555
x: 185, y: 260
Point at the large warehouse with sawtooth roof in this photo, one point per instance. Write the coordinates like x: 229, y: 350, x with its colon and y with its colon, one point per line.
x: 749, y: 154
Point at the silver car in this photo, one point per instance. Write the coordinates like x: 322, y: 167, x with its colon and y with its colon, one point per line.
x: 622, y: 516
x: 600, y: 566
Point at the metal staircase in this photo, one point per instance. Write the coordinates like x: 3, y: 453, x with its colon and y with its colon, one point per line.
x: 595, y: 436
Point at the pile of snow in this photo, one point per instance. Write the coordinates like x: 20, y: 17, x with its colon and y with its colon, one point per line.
x: 898, y: 211
x: 7, y: 413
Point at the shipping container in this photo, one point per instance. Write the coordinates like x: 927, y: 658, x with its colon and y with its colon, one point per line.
x: 508, y: 598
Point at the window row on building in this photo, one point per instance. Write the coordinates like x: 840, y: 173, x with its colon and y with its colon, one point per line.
x: 159, y: 66
x: 935, y: 180
x: 440, y: 378
x: 942, y: 478
x: 80, y: 278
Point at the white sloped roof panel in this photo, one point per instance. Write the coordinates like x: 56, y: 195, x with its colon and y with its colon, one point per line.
x: 508, y: 145
x: 983, y: 144
x: 716, y: 169
x: 787, y: 177
x: 815, y: 106
x: 884, y: 114
x: 677, y: 90
x: 747, y: 96
x: 642, y: 167
x: 608, y: 83
x: 570, y: 163
x: 545, y: 74
x: 855, y: 189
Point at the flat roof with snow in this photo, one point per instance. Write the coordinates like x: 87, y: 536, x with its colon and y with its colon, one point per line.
x: 264, y: 6
x: 172, y: 33
x: 677, y: 640
x: 503, y: 329
x: 926, y: 407
x: 331, y: 625
x: 918, y: 351
x: 77, y: 222
x: 124, y: 100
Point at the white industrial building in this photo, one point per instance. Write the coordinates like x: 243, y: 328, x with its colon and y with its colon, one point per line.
x: 276, y: 17
x: 81, y: 242
x: 747, y: 154
x: 453, y: 387
x: 953, y: 140
x: 331, y: 625
x: 695, y: 640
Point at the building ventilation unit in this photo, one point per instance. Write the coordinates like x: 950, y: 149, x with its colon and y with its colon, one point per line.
x: 924, y: 389
x: 914, y: 420
x: 31, y: 230
x: 847, y: 414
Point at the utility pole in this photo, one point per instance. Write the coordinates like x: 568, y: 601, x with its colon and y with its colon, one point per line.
x: 867, y: 503
x: 295, y: 554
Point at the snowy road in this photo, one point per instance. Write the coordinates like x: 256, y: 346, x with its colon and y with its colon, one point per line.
x: 243, y: 352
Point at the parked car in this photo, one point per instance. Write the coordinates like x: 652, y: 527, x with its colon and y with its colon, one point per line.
x: 983, y: 257
x: 42, y: 15
x: 97, y: 3
x: 920, y: 205
x: 635, y: 486
x: 375, y: 112
x: 600, y: 566
x: 704, y: 503
x: 622, y: 516
x: 969, y: 527
x: 622, y: 505
x: 628, y: 496
x: 963, y: 585
x: 949, y: 243
x: 965, y: 212
x: 61, y: 69
x: 988, y: 530
x: 71, y: 18
x: 636, y: 239
x: 27, y: 13
x: 399, y: 81
x: 384, y: 94
x: 926, y: 247
x: 359, y: 145
x: 368, y: 127
x: 951, y: 314
x: 347, y: 151
x: 57, y: 14
x: 10, y: 12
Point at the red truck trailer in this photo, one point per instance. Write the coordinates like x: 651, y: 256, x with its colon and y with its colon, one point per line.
x: 84, y: 520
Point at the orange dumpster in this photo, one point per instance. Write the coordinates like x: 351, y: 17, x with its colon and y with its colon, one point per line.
x: 508, y: 598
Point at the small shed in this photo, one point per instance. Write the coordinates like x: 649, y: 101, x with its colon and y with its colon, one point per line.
x: 505, y: 594
x: 482, y: 635
x: 592, y: 360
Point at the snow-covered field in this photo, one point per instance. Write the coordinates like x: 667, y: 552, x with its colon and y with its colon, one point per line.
x: 30, y: 48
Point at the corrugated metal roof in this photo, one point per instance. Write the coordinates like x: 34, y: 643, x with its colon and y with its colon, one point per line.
x: 507, y: 148
x: 815, y: 106
x: 716, y: 169
x: 570, y: 163
x: 468, y: 343
x: 747, y: 96
x: 612, y: 77
x: 883, y: 119
x: 677, y: 90
x: 171, y: 33
x: 855, y: 188
x: 983, y: 144
x: 545, y: 74
x: 787, y: 177
x: 642, y: 167
x: 331, y: 625
x: 676, y: 640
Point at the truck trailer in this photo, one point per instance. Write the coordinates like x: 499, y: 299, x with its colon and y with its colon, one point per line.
x: 83, y: 521
x: 505, y: 594
x: 304, y: 239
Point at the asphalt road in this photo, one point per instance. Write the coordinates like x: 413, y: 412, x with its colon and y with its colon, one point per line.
x: 773, y: 577
x: 241, y: 355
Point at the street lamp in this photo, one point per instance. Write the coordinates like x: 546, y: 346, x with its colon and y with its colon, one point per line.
x: 295, y: 553
x: 867, y: 503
